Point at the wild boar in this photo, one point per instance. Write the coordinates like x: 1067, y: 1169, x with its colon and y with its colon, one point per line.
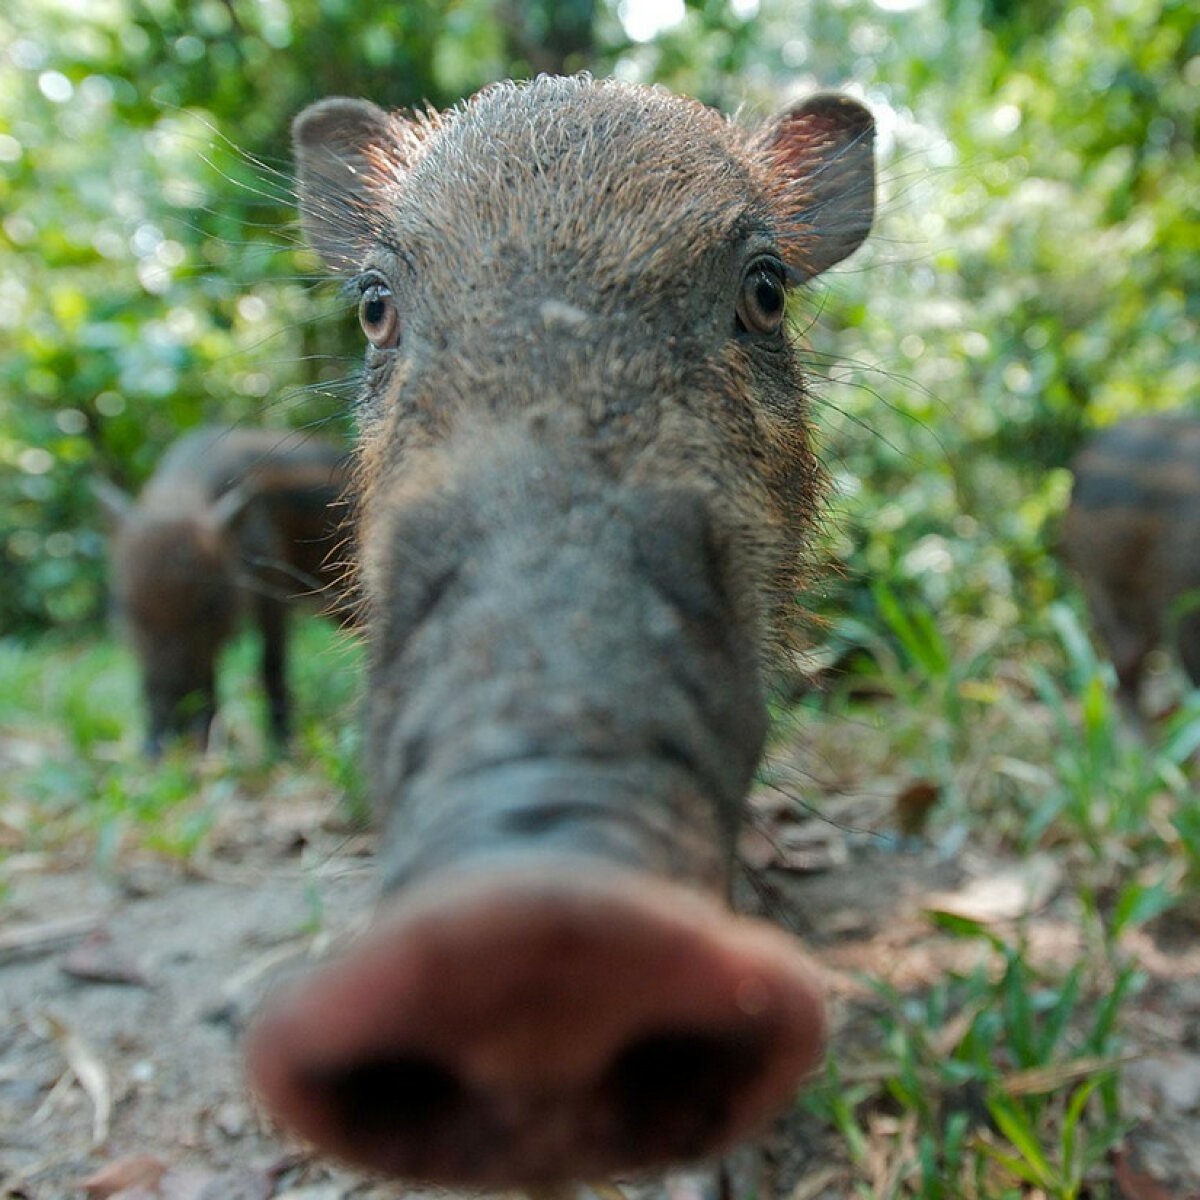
x: 1132, y: 533
x: 232, y: 519
x: 586, y: 487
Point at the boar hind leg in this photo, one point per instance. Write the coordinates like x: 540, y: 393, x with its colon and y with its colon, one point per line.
x: 272, y: 621
x: 1189, y: 645
x: 1129, y: 634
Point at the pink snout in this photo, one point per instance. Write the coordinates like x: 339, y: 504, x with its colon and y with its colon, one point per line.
x: 512, y: 1028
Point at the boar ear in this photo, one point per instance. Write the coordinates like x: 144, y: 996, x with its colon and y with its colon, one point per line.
x: 115, y: 504
x: 342, y: 154
x: 821, y: 155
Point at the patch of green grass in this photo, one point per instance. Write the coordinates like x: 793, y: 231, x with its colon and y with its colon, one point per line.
x: 991, y: 1079
x: 1105, y: 781
x: 1004, y: 1079
x: 928, y: 688
x: 1187, y: 824
x: 71, y: 729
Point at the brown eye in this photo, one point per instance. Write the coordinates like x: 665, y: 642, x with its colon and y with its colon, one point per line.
x: 763, y: 300
x: 378, y: 316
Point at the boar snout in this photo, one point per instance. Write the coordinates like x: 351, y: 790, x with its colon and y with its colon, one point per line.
x: 506, y: 1028
x: 555, y: 987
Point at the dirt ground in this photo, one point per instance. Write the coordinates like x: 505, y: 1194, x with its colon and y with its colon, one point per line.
x: 123, y: 998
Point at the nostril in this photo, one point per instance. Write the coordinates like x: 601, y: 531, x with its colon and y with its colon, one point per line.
x: 389, y: 1097
x: 668, y: 1095
x: 509, y: 1030
x: 676, y: 1090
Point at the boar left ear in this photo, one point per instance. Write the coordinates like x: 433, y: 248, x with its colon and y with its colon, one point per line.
x: 821, y: 159
x: 228, y: 506
x: 343, y: 149
x: 114, y: 503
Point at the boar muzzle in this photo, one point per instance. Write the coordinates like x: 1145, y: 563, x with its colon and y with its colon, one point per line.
x: 522, y: 1026
x: 555, y: 987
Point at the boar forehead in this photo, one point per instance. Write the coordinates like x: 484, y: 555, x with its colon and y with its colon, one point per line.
x: 621, y: 185
x: 639, y: 210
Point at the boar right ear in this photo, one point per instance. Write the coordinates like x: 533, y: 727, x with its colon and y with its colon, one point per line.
x: 228, y: 507
x: 115, y: 504
x: 821, y: 156
x: 343, y: 150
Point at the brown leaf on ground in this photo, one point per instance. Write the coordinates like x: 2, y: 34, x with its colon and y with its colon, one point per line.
x: 140, y: 1170
x: 87, y: 1068
x: 1133, y: 1184
x: 913, y: 805
x: 814, y: 1183
x: 1039, y: 1080
x: 97, y: 960
x: 1003, y: 896
x: 43, y: 937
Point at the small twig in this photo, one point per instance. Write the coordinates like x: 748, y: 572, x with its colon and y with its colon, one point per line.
x: 85, y: 1065
x: 43, y: 937
x: 607, y: 1191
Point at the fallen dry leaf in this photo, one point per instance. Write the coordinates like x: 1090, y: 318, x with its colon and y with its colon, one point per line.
x: 607, y: 1191
x: 945, y: 1041
x: 814, y: 1184
x: 1135, y: 1184
x: 43, y: 937
x: 1004, y: 896
x: 86, y: 1066
x: 96, y: 960
x: 913, y: 806
x: 1039, y: 1080
x: 141, y: 1170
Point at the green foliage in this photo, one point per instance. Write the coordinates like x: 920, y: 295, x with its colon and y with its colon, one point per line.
x: 1034, y: 271
x: 150, y: 273
x: 1106, y: 778
x: 1033, y: 274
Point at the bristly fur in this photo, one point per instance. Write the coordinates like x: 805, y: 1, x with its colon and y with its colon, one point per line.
x: 587, y: 490
x: 617, y: 200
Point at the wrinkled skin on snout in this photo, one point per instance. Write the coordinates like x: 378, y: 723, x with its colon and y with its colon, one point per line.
x: 586, y: 488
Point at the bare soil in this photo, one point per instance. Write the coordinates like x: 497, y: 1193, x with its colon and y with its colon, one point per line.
x: 123, y: 996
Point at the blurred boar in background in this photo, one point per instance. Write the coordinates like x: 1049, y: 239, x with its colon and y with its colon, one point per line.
x: 587, y: 486
x: 231, y: 520
x: 1132, y: 533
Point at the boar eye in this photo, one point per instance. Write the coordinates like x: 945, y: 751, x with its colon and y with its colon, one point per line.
x: 763, y: 299
x: 378, y: 316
